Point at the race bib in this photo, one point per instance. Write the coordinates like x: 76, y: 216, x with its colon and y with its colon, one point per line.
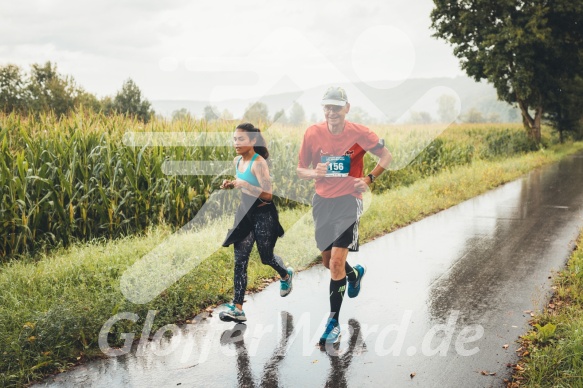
x: 339, y: 166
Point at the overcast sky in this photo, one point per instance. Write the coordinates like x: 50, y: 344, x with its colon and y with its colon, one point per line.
x: 203, y: 50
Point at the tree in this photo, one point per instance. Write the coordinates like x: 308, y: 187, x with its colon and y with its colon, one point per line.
x: 50, y: 91
x: 512, y: 114
x: 43, y: 90
x: 280, y: 117
x: 107, y: 105
x: 523, y: 47
x: 87, y: 101
x: 420, y: 117
x: 256, y: 113
x: 129, y: 101
x: 446, y: 108
x: 226, y: 114
x: 359, y: 115
x: 494, y: 118
x: 12, y: 89
x: 297, y: 115
x: 474, y: 116
x: 209, y: 113
x: 181, y: 114
x: 567, y: 108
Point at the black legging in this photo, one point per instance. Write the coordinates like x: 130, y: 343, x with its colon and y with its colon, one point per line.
x: 265, y: 233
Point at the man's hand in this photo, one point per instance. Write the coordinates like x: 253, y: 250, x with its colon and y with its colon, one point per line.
x: 321, y: 170
x: 316, y: 173
x: 361, y: 184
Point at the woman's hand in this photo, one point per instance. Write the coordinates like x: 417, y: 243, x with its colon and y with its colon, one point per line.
x: 239, y: 184
x: 227, y: 184
x: 235, y: 184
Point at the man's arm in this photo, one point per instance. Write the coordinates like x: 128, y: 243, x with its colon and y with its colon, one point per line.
x: 313, y: 173
x: 385, y: 159
x: 361, y: 184
x: 303, y: 170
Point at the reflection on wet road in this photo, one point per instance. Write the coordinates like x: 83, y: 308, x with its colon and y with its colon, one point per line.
x: 440, y: 299
x: 339, y: 359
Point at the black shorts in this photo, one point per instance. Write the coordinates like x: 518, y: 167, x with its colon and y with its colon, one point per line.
x: 336, y: 221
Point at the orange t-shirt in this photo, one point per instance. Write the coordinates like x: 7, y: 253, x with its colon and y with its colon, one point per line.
x: 354, y: 141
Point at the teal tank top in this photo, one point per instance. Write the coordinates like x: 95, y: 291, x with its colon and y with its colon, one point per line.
x: 248, y: 175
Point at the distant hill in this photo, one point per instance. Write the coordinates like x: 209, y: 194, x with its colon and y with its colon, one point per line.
x: 381, y: 104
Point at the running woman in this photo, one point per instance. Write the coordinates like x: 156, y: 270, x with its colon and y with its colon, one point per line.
x: 256, y: 220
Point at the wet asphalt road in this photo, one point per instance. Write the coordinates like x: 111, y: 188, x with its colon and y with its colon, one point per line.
x: 440, y: 299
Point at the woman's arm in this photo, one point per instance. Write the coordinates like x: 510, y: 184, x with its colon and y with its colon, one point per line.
x: 261, y: 172
x: 227, y: 183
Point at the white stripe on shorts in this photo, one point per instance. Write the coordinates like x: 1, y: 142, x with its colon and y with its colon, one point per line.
x: 359, y: 210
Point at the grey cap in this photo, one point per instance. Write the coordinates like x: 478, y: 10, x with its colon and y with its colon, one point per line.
x: 335, y: 95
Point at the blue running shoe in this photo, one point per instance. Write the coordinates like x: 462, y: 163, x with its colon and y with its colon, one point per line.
x: 354, y: 287
x: 332, y: 333
x: 233, y: 314
x: 286, y: 286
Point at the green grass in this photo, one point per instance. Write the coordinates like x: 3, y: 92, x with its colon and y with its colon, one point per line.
x: 74, y: 179
x: 396, y: 208
x: 52, y: 307
x: 555, y: 345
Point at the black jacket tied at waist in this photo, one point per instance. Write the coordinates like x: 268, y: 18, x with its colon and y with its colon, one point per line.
x: 243, y: 224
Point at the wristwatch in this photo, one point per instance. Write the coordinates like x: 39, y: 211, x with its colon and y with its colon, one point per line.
x: 371, y: 177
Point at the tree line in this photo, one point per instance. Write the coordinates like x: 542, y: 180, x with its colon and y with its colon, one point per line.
x: 256, y: 112
x: 530, y: 50
x: 44, y: 89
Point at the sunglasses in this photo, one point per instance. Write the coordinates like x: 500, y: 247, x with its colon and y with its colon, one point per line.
x: 332, y: 108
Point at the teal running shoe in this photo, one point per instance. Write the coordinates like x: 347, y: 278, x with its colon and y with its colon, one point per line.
x: 286, y: 286
x: 354, y: 287
x: 331, y: 334
x: 233, y: 314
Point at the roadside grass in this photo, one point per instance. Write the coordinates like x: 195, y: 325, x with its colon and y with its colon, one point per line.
x: 396, y: 208
x: 552, y: 352
x: 52, y: 308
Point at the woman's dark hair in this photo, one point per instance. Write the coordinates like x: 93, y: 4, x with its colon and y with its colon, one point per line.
x: 255, y: 134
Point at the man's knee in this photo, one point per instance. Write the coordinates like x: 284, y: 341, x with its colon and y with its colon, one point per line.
x: 336, y: 264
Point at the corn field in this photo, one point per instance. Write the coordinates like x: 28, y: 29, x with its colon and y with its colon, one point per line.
x: 74, y: 179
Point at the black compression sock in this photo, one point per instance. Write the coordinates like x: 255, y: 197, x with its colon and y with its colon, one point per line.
x: 337, y: 289
x: 351, y: 274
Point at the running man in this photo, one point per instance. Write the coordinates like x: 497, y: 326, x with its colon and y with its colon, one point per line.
x: 332, y: 154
